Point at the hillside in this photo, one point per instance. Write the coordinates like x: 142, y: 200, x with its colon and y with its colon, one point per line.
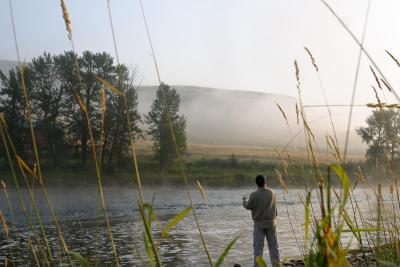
x: 6, y: 65
x: 239, y: 118
x: 216, y: 116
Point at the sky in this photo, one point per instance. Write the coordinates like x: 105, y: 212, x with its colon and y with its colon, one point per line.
x: 229, y: 44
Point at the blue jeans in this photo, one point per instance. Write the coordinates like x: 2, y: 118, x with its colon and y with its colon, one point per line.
x: 258, y: 243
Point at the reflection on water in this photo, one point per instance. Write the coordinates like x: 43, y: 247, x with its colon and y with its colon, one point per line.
x: 221, y: 220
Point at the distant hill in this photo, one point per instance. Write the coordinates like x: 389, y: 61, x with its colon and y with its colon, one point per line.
x: 246, y: 118
x: 6, y: 65
x: 228, y: 117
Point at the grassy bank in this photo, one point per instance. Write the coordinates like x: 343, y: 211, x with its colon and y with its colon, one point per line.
x: 209, y: 169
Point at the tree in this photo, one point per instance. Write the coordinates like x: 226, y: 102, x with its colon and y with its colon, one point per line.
x: 382, y: 134
x: 88, y: 89
x: 116, y: 130
x: 12, y: 105
x: 48, y: 104
x: 165, y: 110
x: 59, y: 122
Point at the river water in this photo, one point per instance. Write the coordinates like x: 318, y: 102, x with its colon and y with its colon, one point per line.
x: 222, y: 219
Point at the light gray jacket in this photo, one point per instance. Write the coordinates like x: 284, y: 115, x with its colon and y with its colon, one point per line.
x: 262, y: 204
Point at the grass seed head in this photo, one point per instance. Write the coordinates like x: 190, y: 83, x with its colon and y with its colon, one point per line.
x: 386, y: 85
x: 376, y: 95
x: 296, y: 65
x: 67, y: 19
x: 281, y: 181
x: 376, y: 77
x: 394, y: 59
x: 312, y: 59
x: 282, y: 111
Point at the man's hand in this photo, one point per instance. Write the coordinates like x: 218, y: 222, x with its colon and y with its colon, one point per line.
x: 246, y: 202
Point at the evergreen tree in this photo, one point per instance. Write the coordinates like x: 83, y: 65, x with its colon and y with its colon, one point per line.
x: 165, y: 110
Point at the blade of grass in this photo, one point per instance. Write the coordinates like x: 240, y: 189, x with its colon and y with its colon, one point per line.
x: 260, y: 262
x: 307, y: 216
x: 225, y: 252
x: 179, y: 217
x: 148, y: 234
x: 83, y: 262
x: 150, y: 253
x: 345, y: 183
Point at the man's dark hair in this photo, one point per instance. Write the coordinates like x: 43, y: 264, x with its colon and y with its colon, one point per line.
x: 260, y: 180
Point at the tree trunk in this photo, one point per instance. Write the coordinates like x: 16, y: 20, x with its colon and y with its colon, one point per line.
x: 84, y: 148
x: 52, y: 150
x: 121, y: 143
x: 112, y: 150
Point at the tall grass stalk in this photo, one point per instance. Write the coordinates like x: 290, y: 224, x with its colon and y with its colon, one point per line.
x: 146, y: 223
x: 33, y: 253
x: 36, y: 210
x: 178, y: 154
x: 355, y: 83
x: 285, y: 191
x: 309, y: 141
x: 148, y: 236
x: 6, y: 232
x: 313, y: 62
x: 125, y: 101
x: 360, y: 44
x: 6, y: 141
x: 11, y: 209
x: 32, y: 133
x: 22, y: 168
x: 286, y: 163
x: 85, y: 115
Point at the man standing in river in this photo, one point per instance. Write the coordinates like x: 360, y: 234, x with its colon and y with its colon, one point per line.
x: 262, y: 204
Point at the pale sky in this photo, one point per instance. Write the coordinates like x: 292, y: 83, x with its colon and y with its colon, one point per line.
x: 230, y: 44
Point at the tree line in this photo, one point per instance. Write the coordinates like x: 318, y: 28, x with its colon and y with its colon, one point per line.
x: 52, y: 82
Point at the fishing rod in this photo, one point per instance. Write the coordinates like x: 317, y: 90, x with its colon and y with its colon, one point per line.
x: 369, y: 105
x: 334, y: 105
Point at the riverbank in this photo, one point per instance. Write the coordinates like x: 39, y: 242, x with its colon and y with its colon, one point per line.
x: 220, y: 172
x: 212, y: 165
